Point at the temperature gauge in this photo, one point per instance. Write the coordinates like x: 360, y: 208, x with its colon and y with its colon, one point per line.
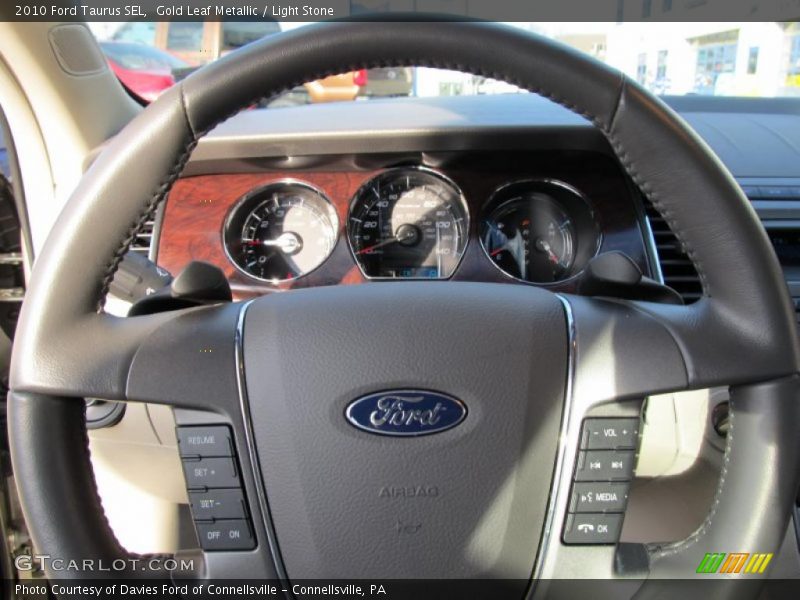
x: 541, y: 232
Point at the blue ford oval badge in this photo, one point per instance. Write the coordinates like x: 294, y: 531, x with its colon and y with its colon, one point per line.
x: 405, y: 412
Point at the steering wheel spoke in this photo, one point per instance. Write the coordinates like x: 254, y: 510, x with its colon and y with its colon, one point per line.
x: 620, y: 352
x: 189, y: 361
x: 182, y: 358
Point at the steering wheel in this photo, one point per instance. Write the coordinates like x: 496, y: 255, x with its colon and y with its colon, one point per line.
x: 527, y: 364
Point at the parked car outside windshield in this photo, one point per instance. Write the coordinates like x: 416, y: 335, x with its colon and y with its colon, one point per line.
x: 144, y: 70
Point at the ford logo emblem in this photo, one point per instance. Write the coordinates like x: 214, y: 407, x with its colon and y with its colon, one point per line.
x: 405, y: 412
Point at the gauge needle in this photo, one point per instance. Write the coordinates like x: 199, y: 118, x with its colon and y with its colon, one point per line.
x: 545, y: 245
x: 497, y: 251
x: 287, y: 242
x: 395, y: 238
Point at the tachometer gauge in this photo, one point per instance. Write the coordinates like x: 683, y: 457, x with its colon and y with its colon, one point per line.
x: 408, y: 223
x: 281, y: 231
x: 539, y: 231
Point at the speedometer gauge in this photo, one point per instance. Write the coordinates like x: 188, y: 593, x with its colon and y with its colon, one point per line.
x: 408, y: 223
x: 281, y: 231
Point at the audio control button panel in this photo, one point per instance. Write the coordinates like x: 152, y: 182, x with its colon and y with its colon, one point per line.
x: 601, y: 482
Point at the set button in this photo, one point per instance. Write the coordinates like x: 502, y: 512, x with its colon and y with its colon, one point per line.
x: 211, y: 473
x: 210, y: 505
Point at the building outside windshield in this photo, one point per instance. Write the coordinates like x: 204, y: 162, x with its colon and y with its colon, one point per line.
x: 751, y: 59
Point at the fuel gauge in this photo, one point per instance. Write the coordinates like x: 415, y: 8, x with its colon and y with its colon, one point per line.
x: 542, y: 232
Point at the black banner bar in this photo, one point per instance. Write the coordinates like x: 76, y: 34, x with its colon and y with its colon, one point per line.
x: 405, y: 589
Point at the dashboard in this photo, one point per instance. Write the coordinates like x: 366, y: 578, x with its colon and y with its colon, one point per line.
x: 516, y: 217
x: 508, y: 189
x: 491, y: 202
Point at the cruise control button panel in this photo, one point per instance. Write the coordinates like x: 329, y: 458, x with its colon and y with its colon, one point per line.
x: 218, y: 503
x: 601, y: 482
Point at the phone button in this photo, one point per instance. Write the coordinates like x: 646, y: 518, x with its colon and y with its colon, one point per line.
x: 592, y: 529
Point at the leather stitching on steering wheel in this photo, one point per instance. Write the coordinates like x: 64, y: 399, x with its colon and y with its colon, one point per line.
x: 663, y: 550
x: 147, y: 214
x: 99, y: 502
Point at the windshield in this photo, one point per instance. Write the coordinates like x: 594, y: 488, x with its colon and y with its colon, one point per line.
x: 753, y: 59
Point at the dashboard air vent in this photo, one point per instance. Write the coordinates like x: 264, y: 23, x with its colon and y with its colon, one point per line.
x: 142, y: 242
x: 676, y: 267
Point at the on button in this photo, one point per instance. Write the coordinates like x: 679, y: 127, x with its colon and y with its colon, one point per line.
x: 226, y: 535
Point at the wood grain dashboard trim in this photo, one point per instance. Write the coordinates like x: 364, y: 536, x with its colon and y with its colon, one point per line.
x: 197, y: 208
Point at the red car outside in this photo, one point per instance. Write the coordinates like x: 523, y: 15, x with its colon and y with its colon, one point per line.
x: 144, y: 70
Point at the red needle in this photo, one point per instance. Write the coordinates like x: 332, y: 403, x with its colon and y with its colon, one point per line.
x: 368, y: 248
x: 496, y: 252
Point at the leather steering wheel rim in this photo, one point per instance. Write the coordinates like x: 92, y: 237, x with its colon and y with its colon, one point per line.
x: 742, y: 332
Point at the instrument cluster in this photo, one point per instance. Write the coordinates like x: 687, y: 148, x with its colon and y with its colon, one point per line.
x: 413, y: 223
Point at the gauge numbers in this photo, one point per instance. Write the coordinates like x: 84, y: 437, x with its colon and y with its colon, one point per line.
x: 408, y: 223
x: 280, y: 232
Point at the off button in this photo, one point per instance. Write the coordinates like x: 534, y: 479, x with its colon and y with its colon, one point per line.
x: 226, y: 535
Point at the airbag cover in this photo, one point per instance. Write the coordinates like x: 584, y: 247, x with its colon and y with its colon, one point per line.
x: 465, y: 502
